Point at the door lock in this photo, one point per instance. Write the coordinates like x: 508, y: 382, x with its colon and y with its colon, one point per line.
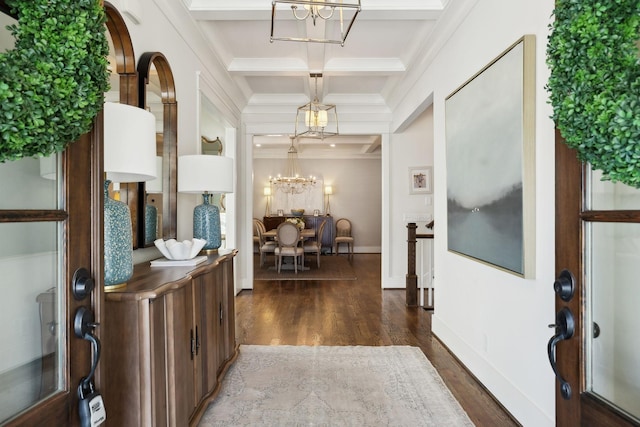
x: 565, y: 285
x: 82, y: 284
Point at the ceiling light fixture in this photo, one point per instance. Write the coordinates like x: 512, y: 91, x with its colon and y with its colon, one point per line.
x: 318, y: 11
x: 293, y: 183
x: 316, y: 120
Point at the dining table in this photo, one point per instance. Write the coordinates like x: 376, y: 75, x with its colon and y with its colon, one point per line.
x: 305, y: 233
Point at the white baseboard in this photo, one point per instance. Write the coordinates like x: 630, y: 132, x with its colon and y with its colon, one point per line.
x: 511, y: 397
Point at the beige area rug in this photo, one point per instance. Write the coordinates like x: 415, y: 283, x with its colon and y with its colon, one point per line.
x: 331, y: 268
x: 333, y: 386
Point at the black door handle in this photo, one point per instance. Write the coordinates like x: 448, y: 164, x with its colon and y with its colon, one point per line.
x: 83, y: 326
x: 565, y: 327
x: 91, y: 410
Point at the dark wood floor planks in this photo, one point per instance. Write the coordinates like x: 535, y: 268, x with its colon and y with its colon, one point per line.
x: 356, y: 313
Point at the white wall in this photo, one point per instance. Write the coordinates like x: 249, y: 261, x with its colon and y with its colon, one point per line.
x: 495, y: 322
x: 165, y: 26
x: 356, y: 195
x: 409, y: 148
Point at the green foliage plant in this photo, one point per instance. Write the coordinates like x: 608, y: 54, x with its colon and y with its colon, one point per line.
x: 52, y: 83
x: 594, y: 86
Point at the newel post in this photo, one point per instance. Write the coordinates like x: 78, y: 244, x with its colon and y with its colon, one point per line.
x: 412, y: 279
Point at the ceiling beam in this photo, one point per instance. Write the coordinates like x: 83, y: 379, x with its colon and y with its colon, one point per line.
x: 333, y: 67
x: 234, y: 10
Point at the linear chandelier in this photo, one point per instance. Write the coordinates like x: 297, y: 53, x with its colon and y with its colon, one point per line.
x: 316, y: 120
x: 340, y: 13
x: 293, y: 182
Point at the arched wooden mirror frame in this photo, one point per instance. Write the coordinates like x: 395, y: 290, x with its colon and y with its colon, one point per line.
x: 128, y: 92
x: 170, y: 140
x: 125, y: 58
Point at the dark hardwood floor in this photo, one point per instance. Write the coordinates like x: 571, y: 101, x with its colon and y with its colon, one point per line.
x: 356, y: 313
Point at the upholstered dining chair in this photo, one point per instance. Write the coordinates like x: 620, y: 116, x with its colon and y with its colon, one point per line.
x: 288, y: 244
x: 256, y: 238
x: 265, y: 246
x: 315, y: 246
x: 343, y: 235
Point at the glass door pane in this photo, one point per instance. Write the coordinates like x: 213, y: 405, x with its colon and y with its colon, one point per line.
x: 31, y: 349
x: 605, y: 195
x: 31, y: 332
x: 30, y: 183
x: 613, y: 297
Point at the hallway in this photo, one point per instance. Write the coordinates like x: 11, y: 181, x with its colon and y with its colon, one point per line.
x: 356, y: 313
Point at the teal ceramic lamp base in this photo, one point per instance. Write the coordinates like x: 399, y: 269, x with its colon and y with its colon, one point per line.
x: 118, y: 238
x: 206, y: 224
x: 150, y: 224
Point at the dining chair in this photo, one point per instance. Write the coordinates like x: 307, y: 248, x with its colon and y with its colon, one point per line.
x: 265, y: 246
x: 315, y: 246
x: 288, y: 244
x: 256, y: 238
x: 343, y: 235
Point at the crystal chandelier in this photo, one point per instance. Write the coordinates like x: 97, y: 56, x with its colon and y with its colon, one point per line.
x: 316, y: 120
x: 293, y: 182
x: 344, y: 12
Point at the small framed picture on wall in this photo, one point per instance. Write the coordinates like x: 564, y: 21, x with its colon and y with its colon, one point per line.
x: 420, y: 180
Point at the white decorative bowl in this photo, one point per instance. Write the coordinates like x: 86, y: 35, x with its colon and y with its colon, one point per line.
x: 174, y: 250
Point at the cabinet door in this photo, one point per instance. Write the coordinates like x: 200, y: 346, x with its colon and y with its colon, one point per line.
x: 154, y: 396
x: 219, y: 321
x: 229, y: 312
x: 327, y: 235
x: 180, y: 354
x: 206, y: 321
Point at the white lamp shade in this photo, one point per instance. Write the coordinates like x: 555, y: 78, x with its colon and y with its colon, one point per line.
x: 307, y: 7
x: 129, y: 143
x: 316, y: 118
x: 267, y: 191
x: 202, y: 172
x: 155, y: 185
x: 328, y: 190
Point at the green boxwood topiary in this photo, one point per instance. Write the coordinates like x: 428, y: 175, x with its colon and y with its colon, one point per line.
x: 52, y: 83
x: 594, y: 84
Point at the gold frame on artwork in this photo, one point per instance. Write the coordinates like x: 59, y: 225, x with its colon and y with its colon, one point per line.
x: 490, y: 159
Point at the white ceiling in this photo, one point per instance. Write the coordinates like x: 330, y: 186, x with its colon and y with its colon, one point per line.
x: 385, y: 43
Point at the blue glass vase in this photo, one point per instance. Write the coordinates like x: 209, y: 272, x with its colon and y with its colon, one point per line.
x: 150, y: 223
x: 118, y: 241
x: 206, y: 224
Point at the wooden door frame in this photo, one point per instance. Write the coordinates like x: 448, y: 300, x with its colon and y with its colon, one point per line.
x: 84, y: 219
x: 570, y: 215
x: 568, y: 238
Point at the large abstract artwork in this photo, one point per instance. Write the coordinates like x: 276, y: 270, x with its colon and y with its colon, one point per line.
x: 490, y: 145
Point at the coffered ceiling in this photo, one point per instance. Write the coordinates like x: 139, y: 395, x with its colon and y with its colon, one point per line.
x: 386, y: 44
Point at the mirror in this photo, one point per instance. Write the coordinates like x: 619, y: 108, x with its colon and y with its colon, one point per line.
x: 213, y: 147
x: 124, y: 89
x: 156, y: 93
x: 213, y: 135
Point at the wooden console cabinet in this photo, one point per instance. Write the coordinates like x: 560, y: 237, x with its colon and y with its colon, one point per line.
x: 168, y: 338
